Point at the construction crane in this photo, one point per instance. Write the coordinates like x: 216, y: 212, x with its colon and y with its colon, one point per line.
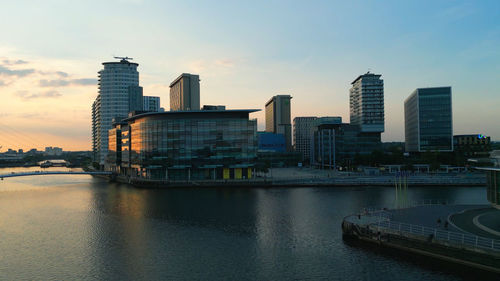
x: 124, y: 58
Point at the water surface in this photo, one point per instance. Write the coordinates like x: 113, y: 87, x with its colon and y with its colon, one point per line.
x: 79, y: 227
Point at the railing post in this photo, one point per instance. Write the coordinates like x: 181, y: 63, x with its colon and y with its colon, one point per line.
x: 463, y: 238
x: 448, y: 236
x: 400, y: 228
x: 492, y: 243
x: 476, y: 241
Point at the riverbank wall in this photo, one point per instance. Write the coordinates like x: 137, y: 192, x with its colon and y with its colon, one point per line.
x: 389, y: 181
x: 424, y: 242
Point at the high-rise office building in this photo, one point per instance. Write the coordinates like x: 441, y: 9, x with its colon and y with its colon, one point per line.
x: 151, y: 103
x: 135, y: 98
x: 366, y: 99
x: 278, y: 118
x: 303, y: 128
x: 428, y: 120
x: 185, y: 93
x: 112, y: 101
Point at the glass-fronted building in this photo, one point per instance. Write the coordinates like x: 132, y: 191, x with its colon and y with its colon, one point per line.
x: 189, y: 145
x: 428, y: 120
x: 493, y: 186
x: 335, y: 143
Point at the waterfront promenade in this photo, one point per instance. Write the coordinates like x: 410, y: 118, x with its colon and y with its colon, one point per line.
x: 308, y: 177
x: 445, y: 232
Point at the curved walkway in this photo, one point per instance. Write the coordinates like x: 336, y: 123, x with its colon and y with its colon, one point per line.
x: 489, y: 222
x: 469, y: 221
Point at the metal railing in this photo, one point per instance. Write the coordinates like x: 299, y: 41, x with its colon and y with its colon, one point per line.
x: 457, y: 238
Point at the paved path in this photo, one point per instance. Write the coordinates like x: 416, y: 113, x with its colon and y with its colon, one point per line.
x: 472, y: 219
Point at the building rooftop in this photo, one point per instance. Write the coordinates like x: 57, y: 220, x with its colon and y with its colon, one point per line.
x: 368, y: 74
x: 183, y: 75
x: 278, y: 96
x: 181, y: 114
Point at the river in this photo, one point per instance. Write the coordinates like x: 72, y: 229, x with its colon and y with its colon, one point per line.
x: 66, y: 227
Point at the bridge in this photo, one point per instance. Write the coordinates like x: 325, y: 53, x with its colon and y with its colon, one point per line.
x: 43, y: 173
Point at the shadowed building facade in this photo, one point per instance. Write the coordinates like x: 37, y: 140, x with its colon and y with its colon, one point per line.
x: 278, y: 118
x: 185, y: 93
x: 428, y: 120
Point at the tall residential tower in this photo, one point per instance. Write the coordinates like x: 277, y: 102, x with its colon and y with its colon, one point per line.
x: 366, y: 99
x: 112, y: 101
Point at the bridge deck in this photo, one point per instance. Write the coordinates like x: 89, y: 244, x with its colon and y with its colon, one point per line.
x: 38, y: 173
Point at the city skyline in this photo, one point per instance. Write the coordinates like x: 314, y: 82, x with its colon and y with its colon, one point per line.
x: 49, y: 64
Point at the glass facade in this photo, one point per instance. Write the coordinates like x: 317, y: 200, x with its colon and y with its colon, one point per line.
x: 345, y: 140
x: 190, y: 145
x: 428, y: 120
x: 493, y: 186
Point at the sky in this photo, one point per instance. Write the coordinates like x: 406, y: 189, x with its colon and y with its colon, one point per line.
x: 245, y: 52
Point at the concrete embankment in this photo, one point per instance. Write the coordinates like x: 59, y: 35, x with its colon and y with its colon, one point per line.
x: 426, y: 245
x: 310, y: 182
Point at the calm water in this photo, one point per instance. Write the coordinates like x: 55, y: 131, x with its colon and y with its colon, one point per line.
x: 79, y: 227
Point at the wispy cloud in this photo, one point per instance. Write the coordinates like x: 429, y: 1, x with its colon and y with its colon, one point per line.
x: 5, y: 71
x: 25, y: 95
x: 13, y: 62
x: 63, y: 82
x: 2, y: 83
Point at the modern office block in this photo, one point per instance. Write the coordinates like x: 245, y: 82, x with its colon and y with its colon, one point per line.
x: 185, y: 93
x: 112, y: 101
x: 428, y: 120
x: 187, y: 145
x: 278, y: 118
x: 151, y: 104
x: 303, y: 128
x: 367, y: 103
x: 335, y: 143
x: 135, y: 98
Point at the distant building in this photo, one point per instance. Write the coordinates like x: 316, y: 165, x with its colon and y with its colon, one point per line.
x: 151, y: 104
x: 278, y: 118
x: 185, y: 93
x: 476, y: 145
x: 135, y: 98
x: 428, y: 120
x: 214, y: 107
x: 366, y: 98
x: 270, y: 142
x: 53, y: 151
x: 303, y: 128
x: 113, y: 100
x: 335, y: 143
x: 185, y: 145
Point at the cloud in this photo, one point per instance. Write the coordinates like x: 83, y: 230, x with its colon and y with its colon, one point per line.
x: 63, y: 82
x: 2, y: 83
x: 13, y: 72
x: 25, y: 95
x: 14, y: 62
x: 225, y: 62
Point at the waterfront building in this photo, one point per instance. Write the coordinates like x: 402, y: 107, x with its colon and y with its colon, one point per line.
x: 185, y: 93
x: 475, y: 145
x: 151, y: 104
x: 271, y: 142
x: 428, y: 120
x: 113, y: 100
x: 366, y: 99
x: 278, y: 118
x: 187, y: 145
x: 336, y: 143
x: 303, y: 128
